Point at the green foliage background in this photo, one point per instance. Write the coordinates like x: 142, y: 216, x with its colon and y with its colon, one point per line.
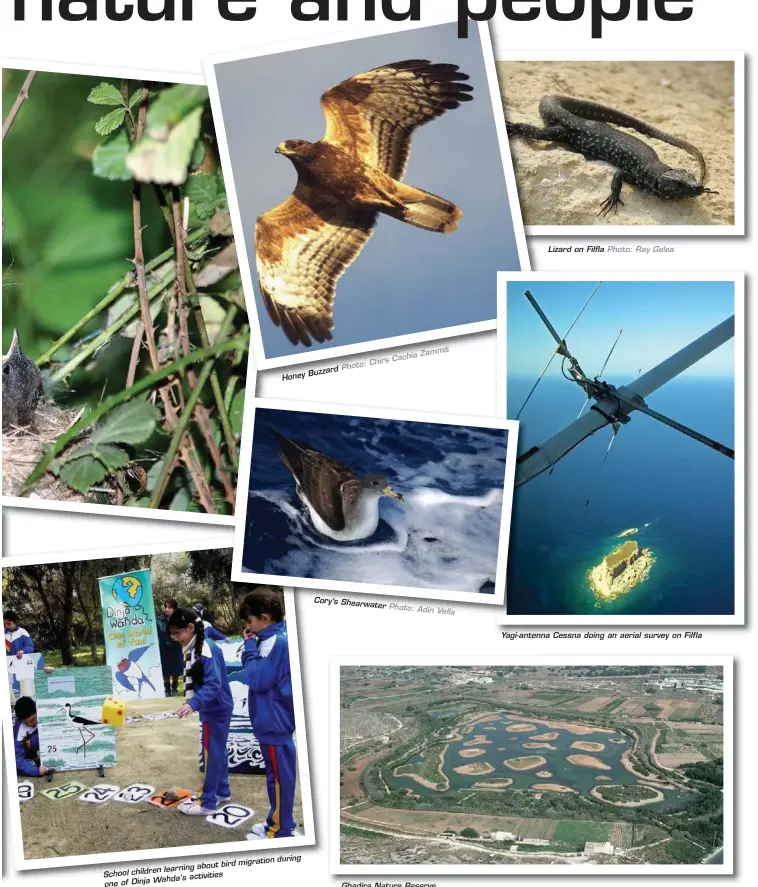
x: 68, y: 241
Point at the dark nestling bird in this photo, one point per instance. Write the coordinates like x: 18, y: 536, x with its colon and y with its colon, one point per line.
x: 342, y: 505
x: 344, y: 181
x: 22, y: 386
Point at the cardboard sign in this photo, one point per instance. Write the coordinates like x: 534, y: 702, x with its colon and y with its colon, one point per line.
x: 99, y: 794
x: 170, y: 798
x: 230, y: 816
x: 134, y: 794
x: 25, y: 791
x: 67, y: 790
x: 131, y: 635
x: 21, y: 674
x: 69, y: 711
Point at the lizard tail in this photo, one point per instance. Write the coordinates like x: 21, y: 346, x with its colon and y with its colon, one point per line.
x: 596, y: 111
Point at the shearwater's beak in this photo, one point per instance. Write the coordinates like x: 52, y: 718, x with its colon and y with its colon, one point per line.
x: 393, y: 494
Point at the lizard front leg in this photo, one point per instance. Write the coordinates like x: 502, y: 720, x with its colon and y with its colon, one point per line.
x: 614, y: 199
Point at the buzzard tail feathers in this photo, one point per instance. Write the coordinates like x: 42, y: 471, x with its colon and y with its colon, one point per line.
x: 427, y: 211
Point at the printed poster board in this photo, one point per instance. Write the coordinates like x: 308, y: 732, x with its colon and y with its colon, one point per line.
x: 131, y: 635
x: 69, y: 711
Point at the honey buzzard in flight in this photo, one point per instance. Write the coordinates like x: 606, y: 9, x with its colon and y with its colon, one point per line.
x: 355, y: 172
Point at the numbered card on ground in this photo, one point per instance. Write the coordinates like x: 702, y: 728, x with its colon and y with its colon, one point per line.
x: 170, y: 798
x: 99, y: 794
x: 134, y: 794
x: 67, y: 790
x: 25, y: 791
x: 230, y: 816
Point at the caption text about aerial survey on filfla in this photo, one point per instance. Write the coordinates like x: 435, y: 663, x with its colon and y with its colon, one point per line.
x: 599, y: 11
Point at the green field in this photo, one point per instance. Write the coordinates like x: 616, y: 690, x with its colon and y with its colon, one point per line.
x: 427, y: 768
x: 625, y: 793
x: 570, y: 831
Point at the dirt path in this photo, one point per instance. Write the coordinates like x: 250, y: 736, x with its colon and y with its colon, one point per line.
x: 160, y: 753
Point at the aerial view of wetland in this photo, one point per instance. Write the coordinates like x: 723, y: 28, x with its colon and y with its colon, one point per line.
x: 531, y: 765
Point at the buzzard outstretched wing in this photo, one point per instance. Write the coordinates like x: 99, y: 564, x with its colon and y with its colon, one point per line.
x: 372, y: 116
x: 303, y: 246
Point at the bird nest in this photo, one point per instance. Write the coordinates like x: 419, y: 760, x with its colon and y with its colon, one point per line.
x: 23, y: 448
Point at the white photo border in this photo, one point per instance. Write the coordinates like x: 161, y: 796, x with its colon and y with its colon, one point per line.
x: 738, y: 279
x: 246, y: 456
x: 247, y: 261
x: 337, y: 867
x: 307, y: 839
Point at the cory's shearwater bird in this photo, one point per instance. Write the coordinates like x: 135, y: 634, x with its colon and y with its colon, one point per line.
x: 342, y: 505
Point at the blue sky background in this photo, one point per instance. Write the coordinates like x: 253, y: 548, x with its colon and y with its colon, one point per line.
x: 406, y: 280
x: 658, y: 319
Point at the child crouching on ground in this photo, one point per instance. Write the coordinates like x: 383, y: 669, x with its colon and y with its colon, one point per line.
x: 207, y: 692
x: 26, y: 738
x: 266, y: 671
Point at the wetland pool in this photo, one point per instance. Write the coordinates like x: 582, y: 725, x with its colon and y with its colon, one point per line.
x: 528, y: 739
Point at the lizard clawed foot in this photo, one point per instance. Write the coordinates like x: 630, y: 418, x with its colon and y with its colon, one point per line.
x: 610, y: 204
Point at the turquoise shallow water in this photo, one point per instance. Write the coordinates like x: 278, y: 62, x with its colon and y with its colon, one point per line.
x: 679, y: 493
x: 506, y: 745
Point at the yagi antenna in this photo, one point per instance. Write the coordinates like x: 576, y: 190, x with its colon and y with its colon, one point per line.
x: 562, y: 348
x: 613, y: 405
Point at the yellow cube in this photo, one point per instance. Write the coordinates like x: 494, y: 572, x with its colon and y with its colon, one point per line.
x: 114, y: 712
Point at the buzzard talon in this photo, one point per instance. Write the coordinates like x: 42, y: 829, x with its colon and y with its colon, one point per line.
x: 304, y: 245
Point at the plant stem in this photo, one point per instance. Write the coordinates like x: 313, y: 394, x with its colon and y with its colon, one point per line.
x: 23, y: 95
x: 173, y: 220
x: 200, y: 356
x: 191, y: 406
x: 107, y: 333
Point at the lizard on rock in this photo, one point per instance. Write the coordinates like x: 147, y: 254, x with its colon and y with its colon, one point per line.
x: 583, y: 126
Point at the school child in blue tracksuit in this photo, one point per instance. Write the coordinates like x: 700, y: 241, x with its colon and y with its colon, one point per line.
x: 266, y: 671
x: 18, y: 641
x: 26, y: 738
x: 207, y: 692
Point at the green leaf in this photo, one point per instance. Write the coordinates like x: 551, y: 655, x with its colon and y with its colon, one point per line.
x: 109, y: 159
x: 172, y: 106
x: 166, y: 161
x: 80, y: 474
x: 114, y: 457
x: 202, y: 191
x: 236, y: 411
x: 106, y: 124
x: 132, y: 423
x: 198, y: 154
x: 135, y: 98
x: 105, y: 94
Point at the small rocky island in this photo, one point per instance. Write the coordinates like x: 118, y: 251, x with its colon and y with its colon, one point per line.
x: 620, y: 571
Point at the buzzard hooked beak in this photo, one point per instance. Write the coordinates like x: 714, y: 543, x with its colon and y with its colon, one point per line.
x: 393, y: 494
x: 280, y: 150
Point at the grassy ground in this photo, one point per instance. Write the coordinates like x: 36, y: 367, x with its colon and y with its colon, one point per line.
x: 82, y: 656
x: 159, y: 753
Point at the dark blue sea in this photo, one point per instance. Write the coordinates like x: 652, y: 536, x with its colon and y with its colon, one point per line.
x: 679, y: 493
x: 444, y: 537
